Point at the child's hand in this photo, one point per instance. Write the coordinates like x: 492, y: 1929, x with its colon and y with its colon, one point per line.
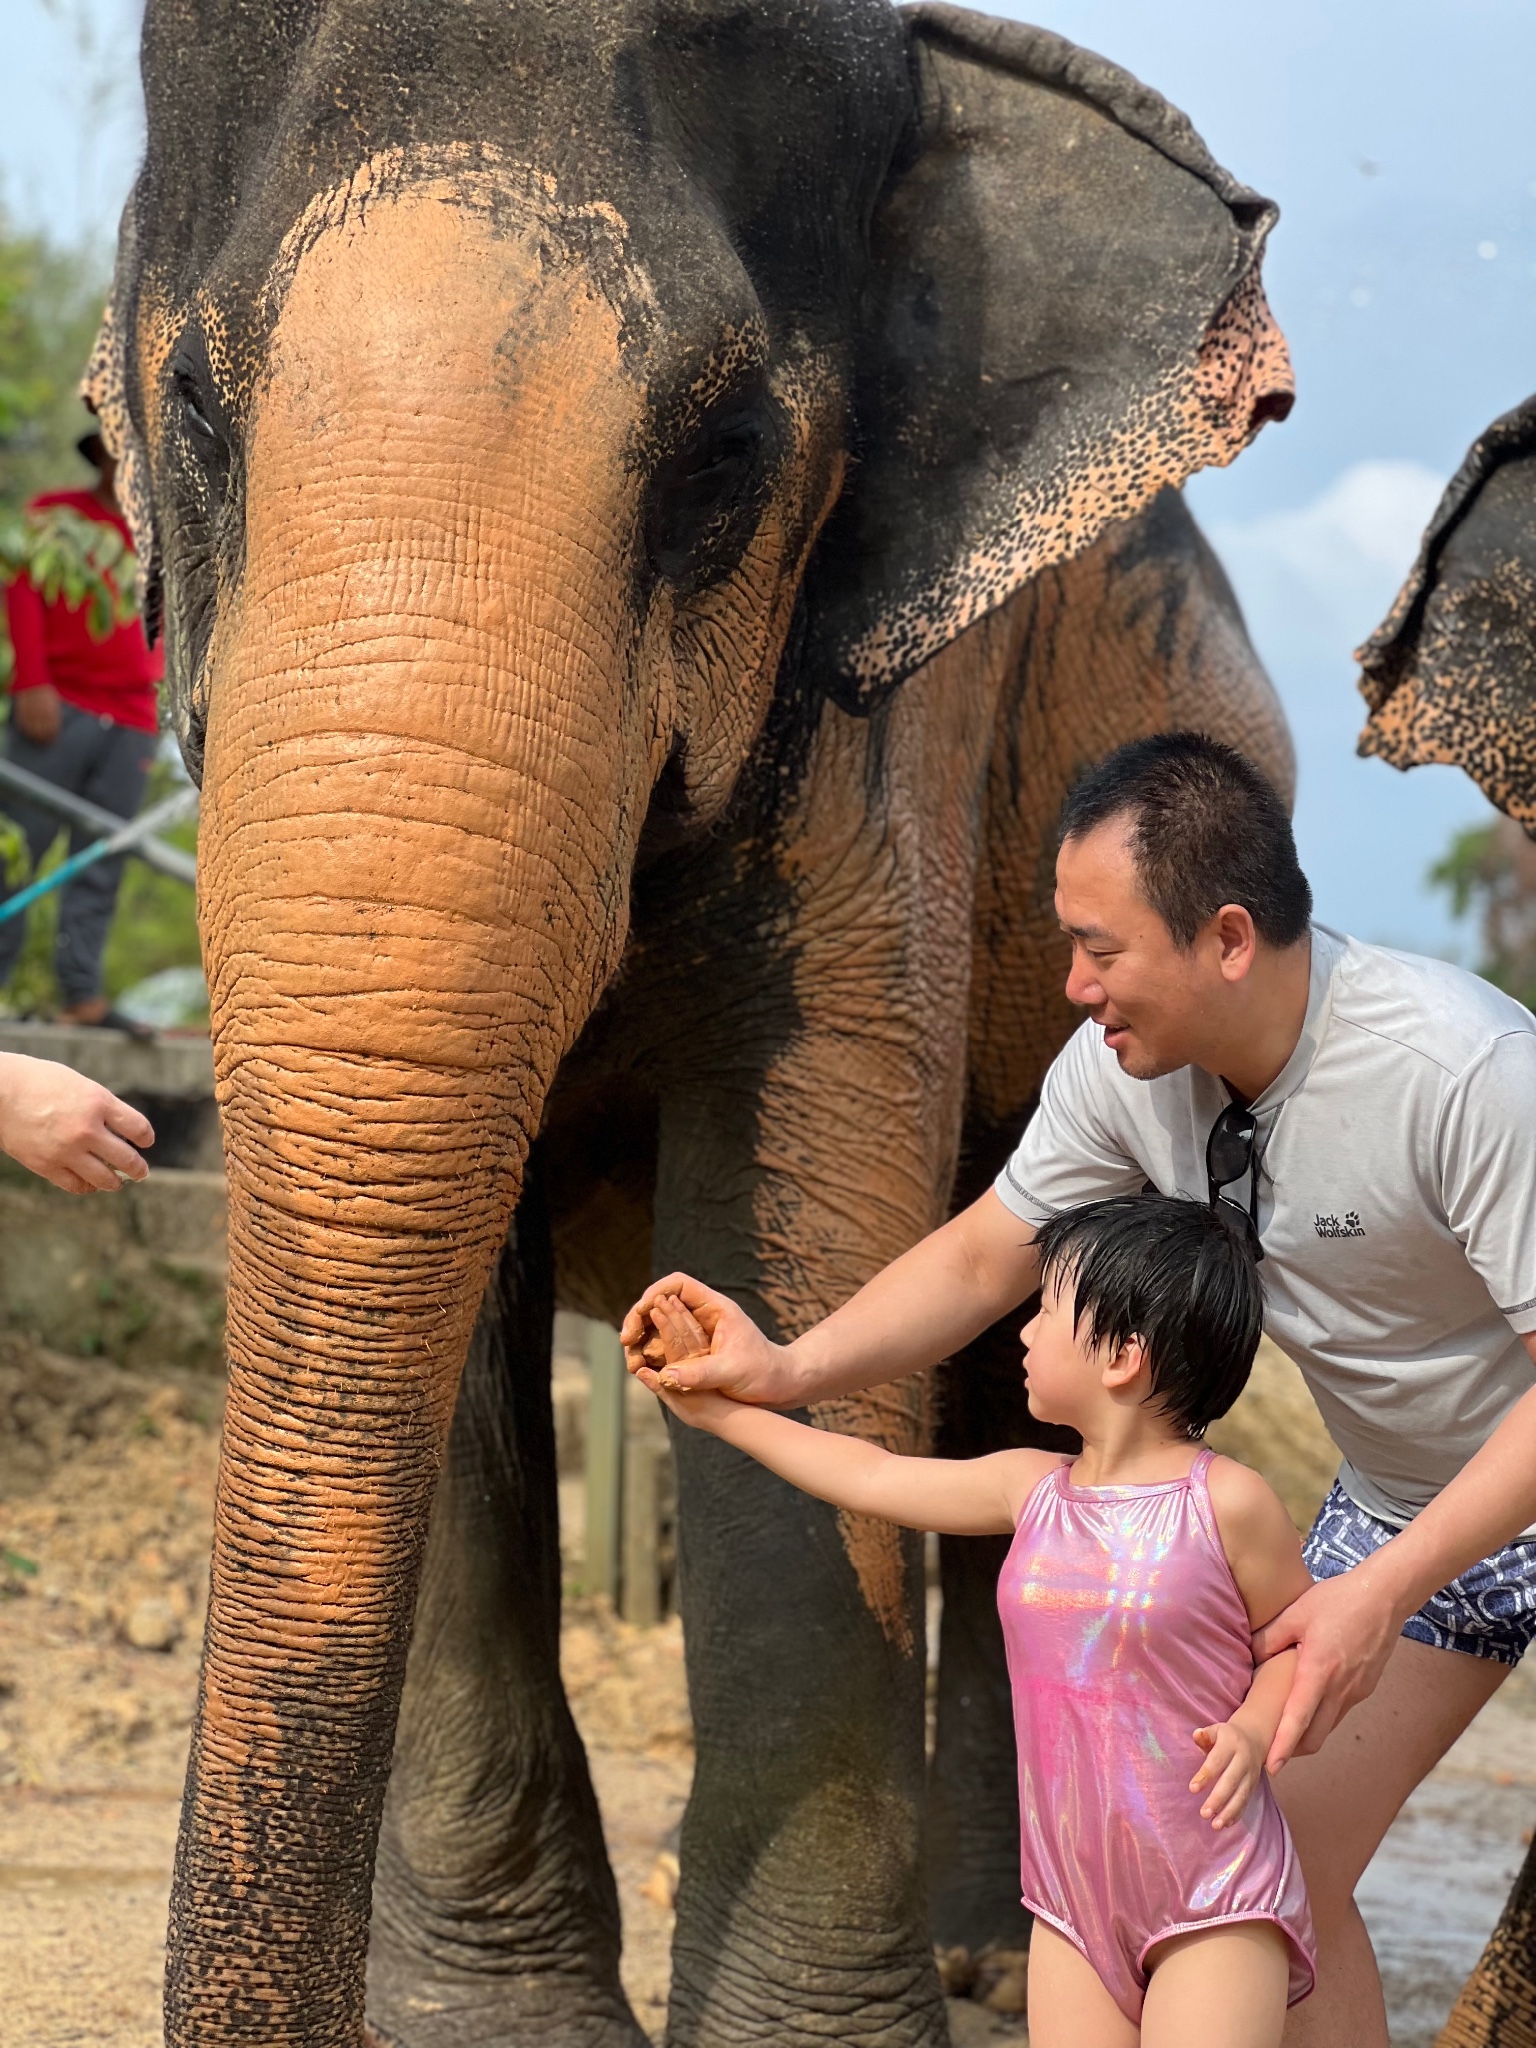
x: 1234, y: 1763
x: 679, y: 1337
x: 679, y: 1333
x: 665, y: 1334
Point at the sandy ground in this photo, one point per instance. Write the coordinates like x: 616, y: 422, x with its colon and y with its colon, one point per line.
x: 106, y: 1485
x: 106, y: 1494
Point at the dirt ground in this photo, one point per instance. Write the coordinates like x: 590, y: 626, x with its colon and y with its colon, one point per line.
x: 106, y: 1497
x: 106, y: 1506
x: 106, y: 1487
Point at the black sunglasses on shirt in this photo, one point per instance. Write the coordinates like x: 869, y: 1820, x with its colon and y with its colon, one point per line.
x: 1228, y: 1156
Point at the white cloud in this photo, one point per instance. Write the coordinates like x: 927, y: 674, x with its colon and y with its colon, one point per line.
x: 1342, y: 557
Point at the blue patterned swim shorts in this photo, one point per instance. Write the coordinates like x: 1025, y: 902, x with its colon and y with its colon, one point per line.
x: 1490, y: 1611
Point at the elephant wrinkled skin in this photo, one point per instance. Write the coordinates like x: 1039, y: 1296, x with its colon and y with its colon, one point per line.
x: 600, y: 471
x: 1450, y: 674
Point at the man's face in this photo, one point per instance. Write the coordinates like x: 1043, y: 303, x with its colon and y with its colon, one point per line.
x: 1154, y: 1002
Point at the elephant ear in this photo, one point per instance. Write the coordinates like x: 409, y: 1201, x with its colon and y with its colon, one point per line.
x: 107, y: 391
x: 1063, y: 315
x: 1450, y: 674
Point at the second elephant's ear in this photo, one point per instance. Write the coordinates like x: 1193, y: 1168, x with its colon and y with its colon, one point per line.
x: 1063, y: 316
x: 107, y: 390
x: 1450, y: 674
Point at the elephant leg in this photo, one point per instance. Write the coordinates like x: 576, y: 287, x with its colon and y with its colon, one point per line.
x: 496, y: 1919
x: 801, y: 1915
x: 1497, y: 2006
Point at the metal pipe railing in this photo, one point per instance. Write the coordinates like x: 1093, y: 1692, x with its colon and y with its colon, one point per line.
x: 155, y: 853
x: 128, y: 837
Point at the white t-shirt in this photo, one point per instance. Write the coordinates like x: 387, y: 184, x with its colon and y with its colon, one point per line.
x: 1397, y: 1200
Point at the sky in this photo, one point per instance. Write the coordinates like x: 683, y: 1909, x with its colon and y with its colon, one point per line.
x: 1398, y: 139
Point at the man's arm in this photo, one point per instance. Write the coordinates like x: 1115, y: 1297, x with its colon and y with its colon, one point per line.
x: 69, y: 1129
x: 923, y: 1307
x: 1345, y: 1628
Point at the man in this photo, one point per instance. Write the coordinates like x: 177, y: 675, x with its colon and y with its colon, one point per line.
x: 1370, y: 1114
x: 84, y: 716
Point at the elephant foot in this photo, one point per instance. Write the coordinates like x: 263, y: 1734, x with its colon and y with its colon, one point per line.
x: 520, y: 2010
x: 797, y: 1972
x: 779, y: 2000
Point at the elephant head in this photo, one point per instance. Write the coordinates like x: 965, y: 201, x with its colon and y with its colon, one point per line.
x: 517, y: 407
x: 1450, y: 674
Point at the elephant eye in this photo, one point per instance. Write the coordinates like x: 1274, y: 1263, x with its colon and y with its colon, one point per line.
x: 705, y: 500
x: 195, y: 408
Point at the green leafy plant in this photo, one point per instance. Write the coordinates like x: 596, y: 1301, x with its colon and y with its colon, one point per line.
x: 68, y: 557
x: 50, y: 305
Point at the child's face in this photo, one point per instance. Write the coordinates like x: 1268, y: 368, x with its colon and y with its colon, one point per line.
x: 1062, y: 1370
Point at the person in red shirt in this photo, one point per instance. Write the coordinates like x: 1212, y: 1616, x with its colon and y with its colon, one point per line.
x: 84, y: 716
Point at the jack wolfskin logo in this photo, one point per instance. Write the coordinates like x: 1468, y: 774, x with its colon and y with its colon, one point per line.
x: 1334, y: 1226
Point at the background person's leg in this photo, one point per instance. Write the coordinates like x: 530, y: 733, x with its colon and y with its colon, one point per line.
x: 116, y: 770
x: 1068, y: 2005
x: 61, y: 762
x: 1224, y: 1989
x: 1341, y: 1802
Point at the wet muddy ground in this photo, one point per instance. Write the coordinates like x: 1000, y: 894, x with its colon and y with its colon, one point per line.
x: 105, y: 1504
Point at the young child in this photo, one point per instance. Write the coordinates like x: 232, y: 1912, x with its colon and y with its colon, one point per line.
x: 1168, y: 1909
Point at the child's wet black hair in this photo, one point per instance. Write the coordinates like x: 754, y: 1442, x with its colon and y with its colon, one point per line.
x: 1173, y: 1273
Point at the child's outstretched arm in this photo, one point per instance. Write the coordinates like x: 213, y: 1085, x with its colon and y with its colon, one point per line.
x: 958, y: 1497
x: 1264, y: 1552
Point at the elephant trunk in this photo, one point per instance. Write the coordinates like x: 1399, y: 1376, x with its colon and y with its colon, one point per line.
x: 424, y: 772
x: 377, y: 1110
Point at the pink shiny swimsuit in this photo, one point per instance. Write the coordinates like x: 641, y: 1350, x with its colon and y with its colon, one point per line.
x: 1125, y: 1633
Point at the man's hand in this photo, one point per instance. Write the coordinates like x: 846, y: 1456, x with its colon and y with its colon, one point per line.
x: 70, y: 1130
x: 739, y: 1361
x: 39, y: 714
x: 682, y: 1340
x: 679, y: 1340
x: 1234, y: 1763
x: 1343, y: 1630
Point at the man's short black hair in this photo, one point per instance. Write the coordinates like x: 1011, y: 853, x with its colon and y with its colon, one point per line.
x: 1177, y: 1275
x: 1206, y: 829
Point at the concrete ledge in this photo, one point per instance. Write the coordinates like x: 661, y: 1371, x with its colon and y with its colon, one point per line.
x: 167, y: 1069
x: 181, y: 1217
x: 136, y: 1277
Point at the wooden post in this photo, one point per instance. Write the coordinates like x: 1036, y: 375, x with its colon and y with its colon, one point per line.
x: 643, y: 1463
x: 605, y: 1460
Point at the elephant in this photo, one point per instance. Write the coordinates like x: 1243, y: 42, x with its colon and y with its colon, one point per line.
x: 1450, y: 676
x: 649, y: 502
